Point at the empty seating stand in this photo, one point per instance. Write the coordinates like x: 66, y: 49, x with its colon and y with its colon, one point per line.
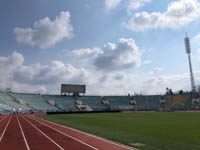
x: 119, y: 102
x: 11, y: 105
x: 152, y: 102
x: 66, y: 103
x: 94, y: 102
x: 26, y: 103
x: 36, y: 101
x: 141, y: 103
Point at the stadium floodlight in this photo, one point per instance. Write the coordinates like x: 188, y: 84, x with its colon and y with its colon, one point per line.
x: 188, y: 51
x: 187, y: 44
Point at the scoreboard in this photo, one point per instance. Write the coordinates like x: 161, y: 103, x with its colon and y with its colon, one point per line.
x: 69, y: 88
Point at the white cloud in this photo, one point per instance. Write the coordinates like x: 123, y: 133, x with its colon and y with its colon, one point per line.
x: 141, y: 83
x: 135, y: 4
x: 123, y: 55
x: 10, y: 63
x: 28, y: 74
x: 142, y: 21
x: 110, y: 57
x: 120, y: 76
x: 110, y: 4
x: 37, y: 78
x: 178, y: 14
x: 83, y: 57
x: 86, y: 53
x: 129, y: 4
x: 156, y: 70
x: 53, y: 74
x: 46, y: 33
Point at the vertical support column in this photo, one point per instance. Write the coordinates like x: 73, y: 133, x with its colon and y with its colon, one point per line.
x: 188, y: 51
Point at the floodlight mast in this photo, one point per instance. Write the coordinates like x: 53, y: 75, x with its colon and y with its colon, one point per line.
x: 188, y: 51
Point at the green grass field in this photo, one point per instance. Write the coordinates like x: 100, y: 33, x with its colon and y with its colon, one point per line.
x: 143, y: 130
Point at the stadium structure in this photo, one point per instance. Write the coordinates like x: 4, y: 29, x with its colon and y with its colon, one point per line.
x: 11, y: 102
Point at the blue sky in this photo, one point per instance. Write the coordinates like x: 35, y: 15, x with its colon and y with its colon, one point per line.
x: 112, y: 46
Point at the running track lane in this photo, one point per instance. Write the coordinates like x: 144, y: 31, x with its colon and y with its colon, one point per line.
x: 12, y: 138
x: 64, y: 140
x: 94, y: 141
x: 19, y: 133
x: 35, y: 140
x: 3, y: 122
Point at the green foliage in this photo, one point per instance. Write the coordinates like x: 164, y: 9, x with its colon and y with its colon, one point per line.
x: 143, y: 130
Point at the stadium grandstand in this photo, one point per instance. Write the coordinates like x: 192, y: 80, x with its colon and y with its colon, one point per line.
x: 11, y: 102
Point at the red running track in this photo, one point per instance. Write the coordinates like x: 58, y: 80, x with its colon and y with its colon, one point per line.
x: 26, y: 132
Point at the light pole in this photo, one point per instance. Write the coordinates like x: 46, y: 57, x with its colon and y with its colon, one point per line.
x: 188, y: 51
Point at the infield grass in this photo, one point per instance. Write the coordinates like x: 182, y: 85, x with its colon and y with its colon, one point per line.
x: 143, y: 130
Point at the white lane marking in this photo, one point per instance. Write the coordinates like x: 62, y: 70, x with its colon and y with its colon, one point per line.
x: 27, y: 146
x: 3, y: 118
x: 88, y: 134
x: 66, y: 135
x: 5, y: 129
x: 43, y: 134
